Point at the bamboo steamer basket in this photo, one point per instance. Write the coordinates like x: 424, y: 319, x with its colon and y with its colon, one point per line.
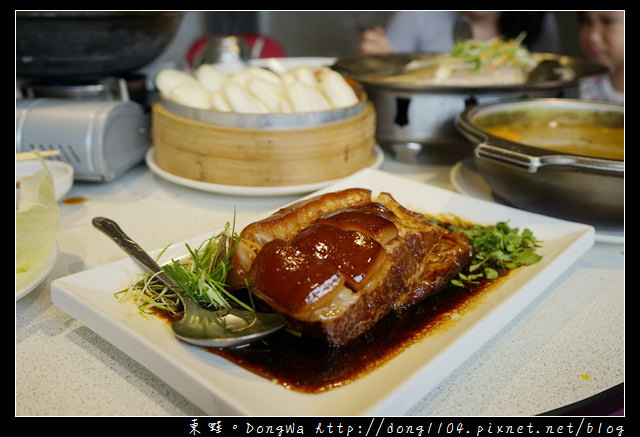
x: 265, y: 156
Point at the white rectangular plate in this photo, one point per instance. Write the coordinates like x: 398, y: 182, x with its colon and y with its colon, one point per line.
x: 221, y: 388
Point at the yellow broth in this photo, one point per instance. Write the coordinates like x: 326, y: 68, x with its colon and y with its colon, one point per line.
x: 595, y: 141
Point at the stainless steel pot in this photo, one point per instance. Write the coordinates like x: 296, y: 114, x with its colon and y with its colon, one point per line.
x: 570, y: 186
x: 74, y: 45
x: 416, y: 123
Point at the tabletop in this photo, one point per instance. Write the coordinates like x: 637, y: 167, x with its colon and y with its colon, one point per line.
x: 566, y: 346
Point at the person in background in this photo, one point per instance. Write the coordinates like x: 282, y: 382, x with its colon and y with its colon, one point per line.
x: 433, y: 31
x: 601, y: 37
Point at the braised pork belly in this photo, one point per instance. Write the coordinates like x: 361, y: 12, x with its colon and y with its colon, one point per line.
x: 337, y: 263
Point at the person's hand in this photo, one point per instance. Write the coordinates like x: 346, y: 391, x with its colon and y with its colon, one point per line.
x: 374, y: 42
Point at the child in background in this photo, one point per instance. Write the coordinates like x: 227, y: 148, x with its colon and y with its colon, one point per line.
x: 601, y: 37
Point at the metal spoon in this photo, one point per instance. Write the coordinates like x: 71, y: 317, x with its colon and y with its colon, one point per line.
x: 220, y: 329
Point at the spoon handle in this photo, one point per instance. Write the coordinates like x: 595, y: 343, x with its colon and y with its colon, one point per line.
x: 113, y: 231
x: 227, y: 327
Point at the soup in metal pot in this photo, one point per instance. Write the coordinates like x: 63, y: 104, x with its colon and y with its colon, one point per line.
x: 589, y: 140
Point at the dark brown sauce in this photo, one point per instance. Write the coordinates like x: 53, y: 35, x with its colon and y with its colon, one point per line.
x: 305, y: 365
x: 73, y: 200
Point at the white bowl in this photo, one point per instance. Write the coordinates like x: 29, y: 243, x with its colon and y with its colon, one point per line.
x: 61, y: 172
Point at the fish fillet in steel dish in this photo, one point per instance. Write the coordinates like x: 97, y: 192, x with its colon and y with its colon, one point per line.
x: 337, y: 263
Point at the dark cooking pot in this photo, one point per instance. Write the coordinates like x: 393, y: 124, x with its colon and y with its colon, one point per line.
x: 416, y: 122
x: 577, y: 186
x: 90, y: 44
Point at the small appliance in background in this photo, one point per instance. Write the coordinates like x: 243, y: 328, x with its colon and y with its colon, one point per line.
x: 100, y: 139
x: 77, y: 90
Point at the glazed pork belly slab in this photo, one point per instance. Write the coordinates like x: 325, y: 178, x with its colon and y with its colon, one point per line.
x: 337, y: 263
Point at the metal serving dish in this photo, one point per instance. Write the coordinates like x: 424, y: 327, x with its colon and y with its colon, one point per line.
x: 416, y: 123
x: 566, y: 185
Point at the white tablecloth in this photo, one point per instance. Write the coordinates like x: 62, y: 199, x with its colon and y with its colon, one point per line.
x: 567, y: 345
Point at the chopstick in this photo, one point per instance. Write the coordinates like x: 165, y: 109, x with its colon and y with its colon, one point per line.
x: 26, y: 156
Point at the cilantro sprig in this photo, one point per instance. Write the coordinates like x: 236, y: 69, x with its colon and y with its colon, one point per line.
x: 202, y: 275
x: 497, y: 248
x: 491, y: 54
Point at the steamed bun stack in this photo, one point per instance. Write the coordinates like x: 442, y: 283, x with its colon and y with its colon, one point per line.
x: 256, y: 90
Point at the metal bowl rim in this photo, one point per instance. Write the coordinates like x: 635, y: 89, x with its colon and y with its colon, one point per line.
x: 480, y: 89
x: 300, y: 120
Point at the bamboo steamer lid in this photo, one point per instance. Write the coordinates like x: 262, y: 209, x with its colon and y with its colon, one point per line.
x: 215, y: 154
